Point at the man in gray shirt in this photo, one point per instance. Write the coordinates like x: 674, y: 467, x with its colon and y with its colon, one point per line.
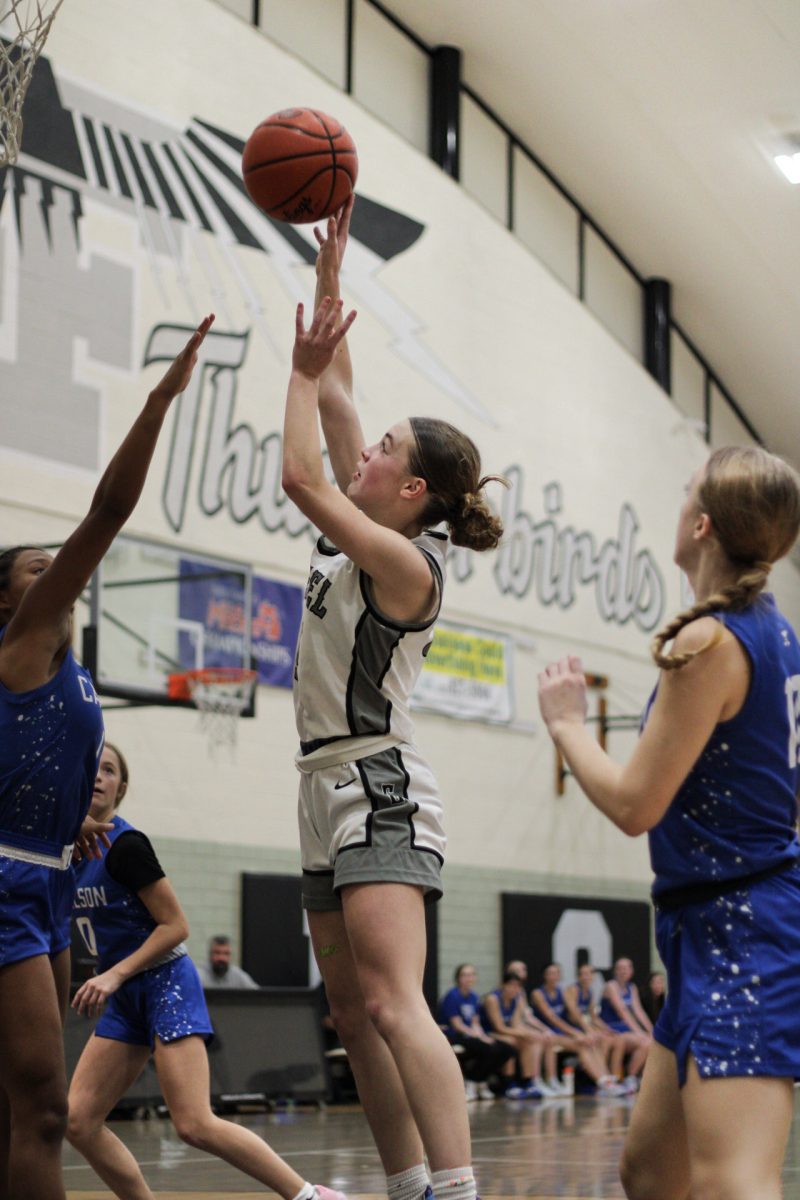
x: 219, y: 971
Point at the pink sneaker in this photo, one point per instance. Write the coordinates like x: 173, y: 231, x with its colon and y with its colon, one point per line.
x: 328, y: 1193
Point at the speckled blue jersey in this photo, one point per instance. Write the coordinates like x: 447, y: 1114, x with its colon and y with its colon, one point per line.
x: 50, y: 741
x: 111, y: 919
x: 732, y: 952
x: 735, y: 813
x: 166, y: 1001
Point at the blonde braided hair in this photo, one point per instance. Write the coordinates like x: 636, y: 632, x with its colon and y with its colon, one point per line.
x: 752, y: 499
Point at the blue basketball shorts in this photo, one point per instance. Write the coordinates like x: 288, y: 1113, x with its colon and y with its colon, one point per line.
x: 733, y: 978
x: 35, y: 907
x: 166, y: 1002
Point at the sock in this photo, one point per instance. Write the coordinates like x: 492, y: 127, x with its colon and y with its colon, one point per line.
x: 456, y: 1184
x: 307, y: 1192
x: 407, y: 1185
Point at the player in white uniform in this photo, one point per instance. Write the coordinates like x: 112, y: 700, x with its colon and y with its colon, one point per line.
x: 370, y: 815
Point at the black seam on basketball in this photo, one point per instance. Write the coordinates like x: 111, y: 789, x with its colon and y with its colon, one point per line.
x: 306, y: 183
x: 332, y: 188
x: 274, y: 162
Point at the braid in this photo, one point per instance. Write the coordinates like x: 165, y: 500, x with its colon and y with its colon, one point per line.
x: 731, y: 598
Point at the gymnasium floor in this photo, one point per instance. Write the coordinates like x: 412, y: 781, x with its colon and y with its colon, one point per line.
x: 559, y: 1148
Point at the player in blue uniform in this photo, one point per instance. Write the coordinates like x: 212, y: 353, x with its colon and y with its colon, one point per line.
x: 51, y: 732
x: 150, y: 1000
x: 504, y: 1016
x: 629, y: 1025
x: 714, y: 780
x: 459, y: 1012
x: 550, y: 1006
x: 371, y: 832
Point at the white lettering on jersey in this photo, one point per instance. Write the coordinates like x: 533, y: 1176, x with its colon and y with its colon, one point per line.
x: 793, y: 705
x: 87, y: 933
x: 87, y: 691
x: 90, y: 897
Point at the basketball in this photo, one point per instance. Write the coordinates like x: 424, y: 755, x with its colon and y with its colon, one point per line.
x: 299, y: 165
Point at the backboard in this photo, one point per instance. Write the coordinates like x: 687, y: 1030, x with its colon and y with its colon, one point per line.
x: 157, y: 610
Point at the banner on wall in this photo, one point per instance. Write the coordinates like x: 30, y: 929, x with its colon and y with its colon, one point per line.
x: 217, y: 603
x: 572, y: 930
x: 467, y: 674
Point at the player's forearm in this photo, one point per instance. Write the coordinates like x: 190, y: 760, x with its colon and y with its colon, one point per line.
x: 124, y: 478
x: 162, y: 939
x: 302, y: 452
x: 598, y: 776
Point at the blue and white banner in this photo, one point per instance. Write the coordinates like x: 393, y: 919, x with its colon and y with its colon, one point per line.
x: 216, y: 601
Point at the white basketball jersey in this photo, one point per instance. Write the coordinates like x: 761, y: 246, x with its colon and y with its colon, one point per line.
x: 355, y: 668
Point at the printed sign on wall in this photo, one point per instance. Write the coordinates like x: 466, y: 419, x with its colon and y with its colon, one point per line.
x: 467, y: 674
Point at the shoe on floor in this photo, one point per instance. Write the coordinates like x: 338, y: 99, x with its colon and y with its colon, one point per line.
x: 523, y: 1093
x: 544, y: 1089
x: 485, y: 1092
x: 326, y: 1193
x: 470, y: 1090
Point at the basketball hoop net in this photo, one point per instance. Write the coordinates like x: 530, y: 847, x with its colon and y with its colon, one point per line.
x: 24, y: 26
x: 221, y: 695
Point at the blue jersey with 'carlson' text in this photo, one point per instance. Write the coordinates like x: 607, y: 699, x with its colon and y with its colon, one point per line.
x: 111, y: 919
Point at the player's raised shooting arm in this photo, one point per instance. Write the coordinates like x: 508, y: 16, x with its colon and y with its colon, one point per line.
x: 341, y: 426
x: 394, y: 564
x: 40, y: 624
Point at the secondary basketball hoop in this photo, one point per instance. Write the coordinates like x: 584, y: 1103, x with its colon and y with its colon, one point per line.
x: 24, y: 26
x: 221, y: 695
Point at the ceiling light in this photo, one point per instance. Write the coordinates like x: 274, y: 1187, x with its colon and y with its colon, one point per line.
x: 789, y: 165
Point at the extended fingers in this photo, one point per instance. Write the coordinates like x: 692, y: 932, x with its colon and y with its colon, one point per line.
x: 299, y: 325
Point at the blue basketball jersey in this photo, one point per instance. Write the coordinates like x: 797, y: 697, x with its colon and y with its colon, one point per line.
x: 111, y: 919
x: 506, y: 1010
x: 735, y: 813
x: 607, y: 1011
x: 556, y: 1002
x: 50, y: 743
x: 455, y: 1004
x: 584, y: 1000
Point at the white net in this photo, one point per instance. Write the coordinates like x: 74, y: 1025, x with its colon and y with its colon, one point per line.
x: 24, y: 26
x: 221, y: 695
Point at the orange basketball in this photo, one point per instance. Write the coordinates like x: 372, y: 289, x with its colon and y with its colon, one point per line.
x: 299, y: 165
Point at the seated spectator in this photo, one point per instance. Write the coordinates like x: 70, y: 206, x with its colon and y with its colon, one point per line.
x: 654, y: 995
x: 551, y: 1043
x: 459, y: 1015
x: 621, y: 1012
x: 219, y: 971
x: 503, y: 1016
x: 551, y: 1003
x: 580, y: 1012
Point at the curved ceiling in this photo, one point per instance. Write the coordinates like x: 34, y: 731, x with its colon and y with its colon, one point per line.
x: 662, y: 118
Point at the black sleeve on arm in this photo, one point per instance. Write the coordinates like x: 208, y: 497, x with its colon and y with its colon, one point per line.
x: 132, y: 861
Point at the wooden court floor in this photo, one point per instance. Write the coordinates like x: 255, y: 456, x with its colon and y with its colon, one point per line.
x: 565, y: 1149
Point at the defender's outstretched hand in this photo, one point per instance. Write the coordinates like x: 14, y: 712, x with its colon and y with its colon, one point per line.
x: 562, y: 693
x: 178, y: 374
x: 314, y: 348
